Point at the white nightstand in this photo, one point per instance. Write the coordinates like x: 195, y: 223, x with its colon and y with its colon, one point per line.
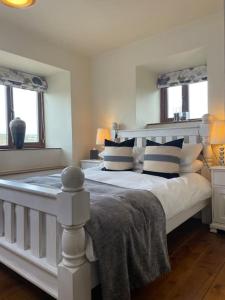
x: 218, y: 198
x: 90, y: 163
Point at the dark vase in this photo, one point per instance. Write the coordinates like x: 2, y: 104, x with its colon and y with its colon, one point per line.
x: 18, y: 130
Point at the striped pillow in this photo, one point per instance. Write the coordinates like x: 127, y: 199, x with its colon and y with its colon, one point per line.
x: 118, y: 156
x: 163, y: 159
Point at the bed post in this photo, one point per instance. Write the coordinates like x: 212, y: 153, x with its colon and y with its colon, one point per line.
x: 74, y: 275
x: 205, y: 132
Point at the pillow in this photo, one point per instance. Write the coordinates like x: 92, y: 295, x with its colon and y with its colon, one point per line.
x: 163, y: 159
x: 118, y: 156
x: 101, y: 154
x: 195, y: 167
x: 190, y: 153
x: 138, y: 154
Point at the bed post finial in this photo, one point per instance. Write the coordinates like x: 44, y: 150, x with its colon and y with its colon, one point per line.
x: 207, y: 118
x: 73, y: 213
x: 72, y: 179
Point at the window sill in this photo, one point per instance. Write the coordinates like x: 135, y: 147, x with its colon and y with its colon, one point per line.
x: 28, y: 149
x: 172, y: 122
x: 34, y: 170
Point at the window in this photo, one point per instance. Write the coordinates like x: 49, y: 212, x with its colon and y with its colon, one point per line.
x: 198, y: 99
x: 27, y: 105
x: 3, y: 117
x: 192, y: 98
x: 174, y: 95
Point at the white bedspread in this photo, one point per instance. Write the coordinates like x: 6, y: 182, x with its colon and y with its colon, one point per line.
x: 175, y: 194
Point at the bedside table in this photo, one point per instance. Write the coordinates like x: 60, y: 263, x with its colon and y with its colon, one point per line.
x: 218, y: 198
x: 90, y: 163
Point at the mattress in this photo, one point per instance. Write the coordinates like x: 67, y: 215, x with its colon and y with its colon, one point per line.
x: 175, y: 195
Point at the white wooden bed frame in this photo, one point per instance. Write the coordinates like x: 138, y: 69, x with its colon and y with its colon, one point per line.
x: 42, y: 235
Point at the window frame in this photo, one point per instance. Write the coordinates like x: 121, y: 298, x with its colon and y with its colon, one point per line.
x: 10, y: 117
x: 164, y: 104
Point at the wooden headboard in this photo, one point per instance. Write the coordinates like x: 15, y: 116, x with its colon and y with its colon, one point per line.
x: 192, y: 132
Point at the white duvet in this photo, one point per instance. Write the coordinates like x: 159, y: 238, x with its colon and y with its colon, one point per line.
x: 175, y: 194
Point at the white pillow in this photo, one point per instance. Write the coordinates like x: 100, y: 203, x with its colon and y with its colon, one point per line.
x: 194, y: 167
x: 138, y: 154
x: 190, y: 153
x: 101, y: 154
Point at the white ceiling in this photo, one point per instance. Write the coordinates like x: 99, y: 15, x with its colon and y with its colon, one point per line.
x: 94, y: 26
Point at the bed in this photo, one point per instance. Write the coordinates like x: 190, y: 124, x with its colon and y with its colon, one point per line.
x: 41, y: 225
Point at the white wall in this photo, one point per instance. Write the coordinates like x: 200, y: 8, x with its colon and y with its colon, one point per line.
x: 58, y: 118
x: 147, y: 97
x: 109, y: 94
x: 114, y: 73
x: 25, y: 44
x: 24, y: 160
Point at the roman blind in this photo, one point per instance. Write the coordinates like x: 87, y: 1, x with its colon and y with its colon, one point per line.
x: 182, y: 77
x: 22, y: 80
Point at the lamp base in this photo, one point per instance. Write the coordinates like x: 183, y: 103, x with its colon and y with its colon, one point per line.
x: 94, y: 154
x: 221, y: 155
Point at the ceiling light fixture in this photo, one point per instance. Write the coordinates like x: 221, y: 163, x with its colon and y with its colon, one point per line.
x: 18, y: 3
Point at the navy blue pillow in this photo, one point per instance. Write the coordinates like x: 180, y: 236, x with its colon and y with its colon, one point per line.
x: 176, y: 143
x: 127, y: 143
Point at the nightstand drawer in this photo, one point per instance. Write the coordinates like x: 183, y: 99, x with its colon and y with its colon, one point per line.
x: 219, y: 205
x: 218, y: 178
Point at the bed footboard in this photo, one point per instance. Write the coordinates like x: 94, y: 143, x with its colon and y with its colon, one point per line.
x: 74, y: 273
x: 42, y: 235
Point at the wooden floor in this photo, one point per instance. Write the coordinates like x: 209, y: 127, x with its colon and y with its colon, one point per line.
x: 198, y: 271
x: 198, y: 267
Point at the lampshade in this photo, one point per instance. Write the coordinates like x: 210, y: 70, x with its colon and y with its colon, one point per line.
x: 102, y: 135
x: 18, y: 3
x: 218, y: 133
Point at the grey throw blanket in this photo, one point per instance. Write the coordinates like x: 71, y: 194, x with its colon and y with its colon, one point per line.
x: 128, y: 229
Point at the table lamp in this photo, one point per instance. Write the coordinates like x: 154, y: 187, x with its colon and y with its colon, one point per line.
x: 102, y: 135
x: 218, y: 138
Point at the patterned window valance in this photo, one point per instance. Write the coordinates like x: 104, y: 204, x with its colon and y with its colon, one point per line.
x: 182, y: 77
x: 22, y: 80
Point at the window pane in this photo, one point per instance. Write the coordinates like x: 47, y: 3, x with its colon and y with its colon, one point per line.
x: 174, y: 96
x: 198, y: 99
x: 26, y: 107
x: 3, y: 117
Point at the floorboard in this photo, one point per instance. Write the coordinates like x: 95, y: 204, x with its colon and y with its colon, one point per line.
x: 217, y: 289
x: 197, y: 258
x: 198, y: 271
